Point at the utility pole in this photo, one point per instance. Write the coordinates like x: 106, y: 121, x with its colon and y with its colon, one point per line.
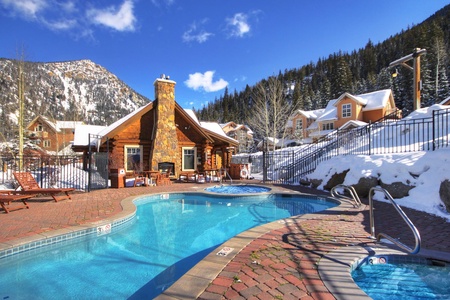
x: 21, y: 94
x: 417, y: 84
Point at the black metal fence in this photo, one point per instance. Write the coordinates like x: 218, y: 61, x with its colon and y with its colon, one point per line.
x: 386, y: 136
x: 58, y: 171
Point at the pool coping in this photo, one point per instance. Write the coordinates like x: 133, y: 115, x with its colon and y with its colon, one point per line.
x: 336, y: 266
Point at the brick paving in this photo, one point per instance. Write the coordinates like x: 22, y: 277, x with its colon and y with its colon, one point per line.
x: 280, y: 264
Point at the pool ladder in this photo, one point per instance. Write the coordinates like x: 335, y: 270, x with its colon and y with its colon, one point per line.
x: 226, y: 174
x: 350, y: 190
x: 413, y: 228
x: 357, y: 203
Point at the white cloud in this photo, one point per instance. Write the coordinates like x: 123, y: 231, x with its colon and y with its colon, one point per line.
x: 26, y: 8
x: 194, y: 33
x: 61, y: 25
x: 204, y: 81
x: 238, y: 25
x: 120, y: 19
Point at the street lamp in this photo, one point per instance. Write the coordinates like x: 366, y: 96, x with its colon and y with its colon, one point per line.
x: 417, y: 86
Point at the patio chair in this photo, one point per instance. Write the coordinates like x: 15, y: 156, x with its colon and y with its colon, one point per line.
x: 164, y: 178
x: 29, y: 186
x: 6, y: 198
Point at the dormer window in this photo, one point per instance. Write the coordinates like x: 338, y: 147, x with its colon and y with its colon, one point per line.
x: 346, y: 110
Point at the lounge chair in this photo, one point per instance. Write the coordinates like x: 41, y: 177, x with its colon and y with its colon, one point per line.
x: 6, y: 198
x: 30, y: 186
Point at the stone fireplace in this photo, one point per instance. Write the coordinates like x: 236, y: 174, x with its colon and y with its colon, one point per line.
x: 164, y: 166
x: 165, y: 141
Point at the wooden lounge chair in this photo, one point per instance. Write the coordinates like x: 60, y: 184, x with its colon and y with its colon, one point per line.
x: 30, y: 186
x: 6, y: 199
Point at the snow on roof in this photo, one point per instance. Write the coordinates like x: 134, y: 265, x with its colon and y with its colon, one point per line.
x: 81, y: 137
x: 214, y: 127
x: 353, y: 123
x: 191, y: 114
x: 313, y: 114
x: 424, y: 112
x: 330, y: 112
x: 376, y: 100
x: 67, y: 124
x: 443, y: 102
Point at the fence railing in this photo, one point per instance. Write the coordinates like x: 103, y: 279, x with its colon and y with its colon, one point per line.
x: 386, y: 136
x: 57, y: 171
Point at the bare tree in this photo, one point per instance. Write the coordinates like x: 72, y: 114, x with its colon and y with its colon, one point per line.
x: 270, y: 110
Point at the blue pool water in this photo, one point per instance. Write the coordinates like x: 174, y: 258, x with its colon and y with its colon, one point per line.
x: 406, y: 281
x: 238, y: 189
x: 168, y: 236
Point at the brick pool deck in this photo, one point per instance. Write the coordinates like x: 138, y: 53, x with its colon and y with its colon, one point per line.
x: 279, y: 261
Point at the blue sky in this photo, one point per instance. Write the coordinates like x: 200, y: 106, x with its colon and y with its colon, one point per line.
x: 203, y: 45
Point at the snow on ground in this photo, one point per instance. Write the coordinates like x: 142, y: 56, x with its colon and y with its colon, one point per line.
x: 424, y: 170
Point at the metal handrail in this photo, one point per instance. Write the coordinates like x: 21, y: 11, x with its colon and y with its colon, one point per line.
x: 226, y: 174
x: 352, y: 192
x: 402, y: 214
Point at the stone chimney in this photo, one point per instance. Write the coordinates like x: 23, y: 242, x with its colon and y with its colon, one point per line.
x: 165, y: 142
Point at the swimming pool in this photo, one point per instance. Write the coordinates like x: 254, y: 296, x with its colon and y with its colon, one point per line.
x: 389, y: 277
x: 238, y: 189
x: 169, y: 235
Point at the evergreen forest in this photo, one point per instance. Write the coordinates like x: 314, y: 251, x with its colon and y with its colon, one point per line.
x: 362, y: 71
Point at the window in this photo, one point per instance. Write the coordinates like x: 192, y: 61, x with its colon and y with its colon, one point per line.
x: 299, y: 128
x: 39, y: 127
x: 346, y: 110
x: 133, y: 158
x: 46, y: 143
x: 189, y: 157
x: 327, y: 126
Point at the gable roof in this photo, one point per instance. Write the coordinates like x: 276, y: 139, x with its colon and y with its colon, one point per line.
x: 370, y: 101
x: 56, y: 126
x: 209, y: 130
x: 216, y: 131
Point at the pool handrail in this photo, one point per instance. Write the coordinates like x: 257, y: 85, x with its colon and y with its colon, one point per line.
x: 402, y: 214
x: 350, y: 190
x: 226, y: 174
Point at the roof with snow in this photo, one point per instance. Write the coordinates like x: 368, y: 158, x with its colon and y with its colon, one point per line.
x: 82, y: 132
x: 56, y: 125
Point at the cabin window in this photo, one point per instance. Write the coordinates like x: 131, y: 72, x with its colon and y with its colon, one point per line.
x: 133, y: 158
x: 346, y: 110
x: 39, y: 127
x: 46, y: 143
x: 327, y: 126
x: 189, y: 158
x: 299, y: 128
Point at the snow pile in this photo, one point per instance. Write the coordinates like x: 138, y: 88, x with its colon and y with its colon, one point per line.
x: 424, y: 170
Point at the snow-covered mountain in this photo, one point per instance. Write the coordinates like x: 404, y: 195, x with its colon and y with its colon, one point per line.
x: 74, y: 90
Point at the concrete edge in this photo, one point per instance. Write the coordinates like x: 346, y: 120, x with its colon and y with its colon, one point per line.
x: 335, y: 268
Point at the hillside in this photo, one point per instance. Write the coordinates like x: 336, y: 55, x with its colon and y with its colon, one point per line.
x: 311, y: 86
x: 74, y: 90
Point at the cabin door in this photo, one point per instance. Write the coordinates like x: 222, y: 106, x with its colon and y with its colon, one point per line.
x: 219, y: 159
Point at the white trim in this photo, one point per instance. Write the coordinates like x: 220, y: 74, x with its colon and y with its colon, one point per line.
x: 125, y: 153
x: 182, y: 158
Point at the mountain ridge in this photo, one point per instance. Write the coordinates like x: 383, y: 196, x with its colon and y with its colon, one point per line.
x: 75, y: 90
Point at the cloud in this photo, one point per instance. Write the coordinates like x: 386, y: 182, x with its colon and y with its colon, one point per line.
x: 204, y: 81
x: 120, y: 19
x: 194, y: 33
x: 26, y: 8
x: 238, y: 25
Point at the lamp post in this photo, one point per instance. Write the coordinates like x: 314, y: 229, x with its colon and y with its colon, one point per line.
x: 417, y: 86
